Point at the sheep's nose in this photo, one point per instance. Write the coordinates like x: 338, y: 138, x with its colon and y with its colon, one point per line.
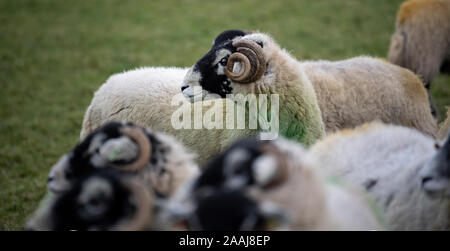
x: 184, y: 87
x: 50, y: 179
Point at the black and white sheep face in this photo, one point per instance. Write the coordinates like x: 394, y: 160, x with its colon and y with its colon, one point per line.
x: 207, y: 78
x: 216, y: 200
x: 243, y: 164
x: 232, y: 169
x: 100, y: 201
x: 108, y: 147
x: 436, y: 173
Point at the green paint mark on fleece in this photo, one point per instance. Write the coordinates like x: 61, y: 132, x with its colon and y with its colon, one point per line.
x: 302, y: 124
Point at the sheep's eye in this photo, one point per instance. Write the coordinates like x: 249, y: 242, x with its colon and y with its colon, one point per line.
x: 224, y: 61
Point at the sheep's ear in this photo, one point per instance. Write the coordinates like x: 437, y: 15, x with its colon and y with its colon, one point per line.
x: 260, y: 43
x: 228, y: 35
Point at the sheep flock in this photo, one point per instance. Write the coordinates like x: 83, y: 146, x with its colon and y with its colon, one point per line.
x: 321, y: 145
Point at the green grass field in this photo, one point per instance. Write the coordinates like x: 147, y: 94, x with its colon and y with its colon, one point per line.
x: 55, y: 54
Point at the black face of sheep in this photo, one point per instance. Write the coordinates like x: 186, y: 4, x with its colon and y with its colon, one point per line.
x: 436, y: 174
x: 226, y: 210
x: 101, y: 201
x: 247, y: 162
x: 215, y: 71
x: 121, y: 145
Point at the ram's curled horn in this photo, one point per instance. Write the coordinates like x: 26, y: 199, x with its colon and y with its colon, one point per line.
x: 144, y: 208
x: 137, y: 135
x: 251, y: 57
x: 282, y: 165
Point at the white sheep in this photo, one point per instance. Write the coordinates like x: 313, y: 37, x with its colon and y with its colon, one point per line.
x: 144, y: 96
x: 387, y: 161
x: 349, y: 92
x: 263, y: 185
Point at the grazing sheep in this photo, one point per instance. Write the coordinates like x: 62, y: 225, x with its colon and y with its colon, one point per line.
x: 421, y: 41
x: 103, y: 200
x: 386, y: 160
x: 256, y: 184
x: 144, y: 96
x: 155, y: 157
x: 349, y: 92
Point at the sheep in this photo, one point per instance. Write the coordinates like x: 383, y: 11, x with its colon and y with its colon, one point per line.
x: 269, y: 185
x: 106, y: 199
x: 387, y: 161
x: 348, y: 93
x: 144, y: 96
x: 421, y: 41
x: 161, y: 161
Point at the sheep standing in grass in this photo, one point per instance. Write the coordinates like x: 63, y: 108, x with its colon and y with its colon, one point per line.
x: 387, y: 161
x: 349, y: 92
x: 262, y: 185
x: 421, y: 41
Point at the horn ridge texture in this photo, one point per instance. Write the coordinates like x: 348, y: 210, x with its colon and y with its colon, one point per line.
x: 252, y: 59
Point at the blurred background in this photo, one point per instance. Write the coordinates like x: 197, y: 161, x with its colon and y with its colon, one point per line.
x: 55, y: 54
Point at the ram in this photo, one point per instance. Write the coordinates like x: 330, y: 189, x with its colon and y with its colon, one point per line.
x: 103, y: 200
x: 145, y: 96
x: 269, y: 185
x: 421, y: 41
x: 158, y: 159
x: 349, y: 92
x: 387, y: 160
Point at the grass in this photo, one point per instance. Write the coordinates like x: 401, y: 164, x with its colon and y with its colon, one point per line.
x: 55, y: 54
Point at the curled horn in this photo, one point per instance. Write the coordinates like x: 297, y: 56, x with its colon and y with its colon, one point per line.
x: 142, y: 217
x: 252, y: 59
x: 145, y: 148
x: 282, y: 168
